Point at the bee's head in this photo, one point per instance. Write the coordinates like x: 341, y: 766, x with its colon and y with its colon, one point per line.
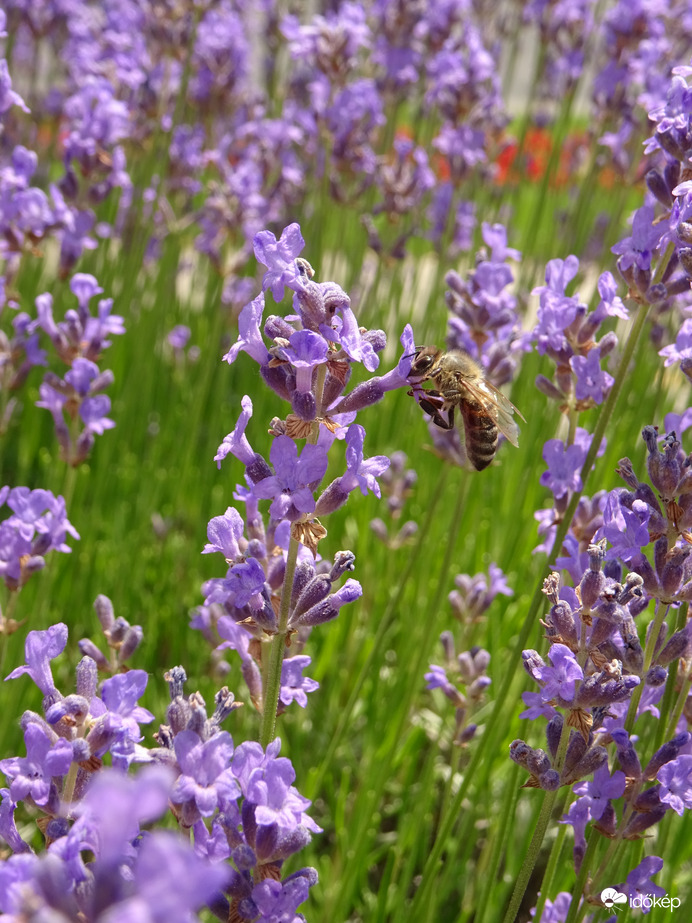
x: 423, y: 360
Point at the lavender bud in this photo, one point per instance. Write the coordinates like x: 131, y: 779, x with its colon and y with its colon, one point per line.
x: 519, y: 752
x: 553, y: 732
x: 304, y: 573
x: 665, y: 754
x: 176, y: 678
x: 658, y: 186
x: 118, y: 631
x: 656, y: 676
x: 376, y: 338
x: 244, y: 857
x: 593, y: 759
x: 343, y: 561
x: 178, y: 715
x: 379, y: 528
x: 89, y: 649
x: 253, y: 679
x: 258, y: 469
x: 600, y: 632
x: 131, y: 641
x: 546, y: 386
x: 576, y: 748
x: 87, y: 677
x: 304, y: 405
x: 685, y: 255
x: 466, y: 667
x: 329, y: 608
x: 549, y: 780
x: 563, y: 621
x: 633, y: 655
x: 334, y: 386
x: 533, y: 663
x: 627, y: 755
x: 678, y: 646
x: 290, y: 843
x: 256, y: 549
x: 266, y: 840
x: 317, y: 590
x: 672, y: 574
x: 592, y: 585
x: 538, y: 762
x: 671, y: 173
x: 608, y: 821
x: 467, y: 734
x: 640, y: 822
x: 613, y: 570
x: 104, y: 612
x: 276, y: 327
x: 677, y: 286
x: 332, y: 498
x: 363, y: 395
x: 608, y: 343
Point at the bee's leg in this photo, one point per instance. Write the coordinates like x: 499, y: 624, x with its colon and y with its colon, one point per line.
x: 434, y: 413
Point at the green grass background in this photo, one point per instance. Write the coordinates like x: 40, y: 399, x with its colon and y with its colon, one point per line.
x: 372, y: 747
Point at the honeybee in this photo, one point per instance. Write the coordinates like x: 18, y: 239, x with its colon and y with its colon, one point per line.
x: 459, y: 382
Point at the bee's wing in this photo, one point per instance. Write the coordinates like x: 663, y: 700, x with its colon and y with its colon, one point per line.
x: 500, y: 408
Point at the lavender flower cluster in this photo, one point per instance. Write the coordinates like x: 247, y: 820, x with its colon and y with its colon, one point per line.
x: 241, y: 136
x: 608, y: 666
x: 101, y: 860
x: 277, y: 586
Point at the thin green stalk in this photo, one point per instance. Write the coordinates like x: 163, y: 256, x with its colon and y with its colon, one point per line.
x: 314, y: 785
x: 498, y: 845
x: 534, y: 849
x: 577, y: 910
x: 654, y: 631
x: 272, y: 674
x: 547, y: 885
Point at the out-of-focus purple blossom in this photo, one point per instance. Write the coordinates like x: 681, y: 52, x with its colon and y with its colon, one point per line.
x: 682, y: 348
x: 289, y: 487
x: 591, y: 380
x: 179, y: 337
x: 676, y: 783
x: 206, y: 781
x: 38, y: 524
x: 636, y: 250
x: 557, y: 310
x: 554, y: 911
x: 639, y: 883
x: 473, y: 596
x: 559, y: 680
x: 40, y: 648
x: 564, y: 466
x: 8, y: 97
x: 31, y: 776
x: 295, y: 686
x: 279, y: 258
x: 601, y: 789
x: 625, y: 528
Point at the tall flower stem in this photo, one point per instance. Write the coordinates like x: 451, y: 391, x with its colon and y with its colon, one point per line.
x: 542, y: 822
x: 272, y: 674
x: 577, y: 910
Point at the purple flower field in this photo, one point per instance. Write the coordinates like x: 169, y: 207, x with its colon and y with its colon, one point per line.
x: 347, y: 576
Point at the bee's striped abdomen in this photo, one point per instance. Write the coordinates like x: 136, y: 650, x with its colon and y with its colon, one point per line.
x: 481, y: 435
